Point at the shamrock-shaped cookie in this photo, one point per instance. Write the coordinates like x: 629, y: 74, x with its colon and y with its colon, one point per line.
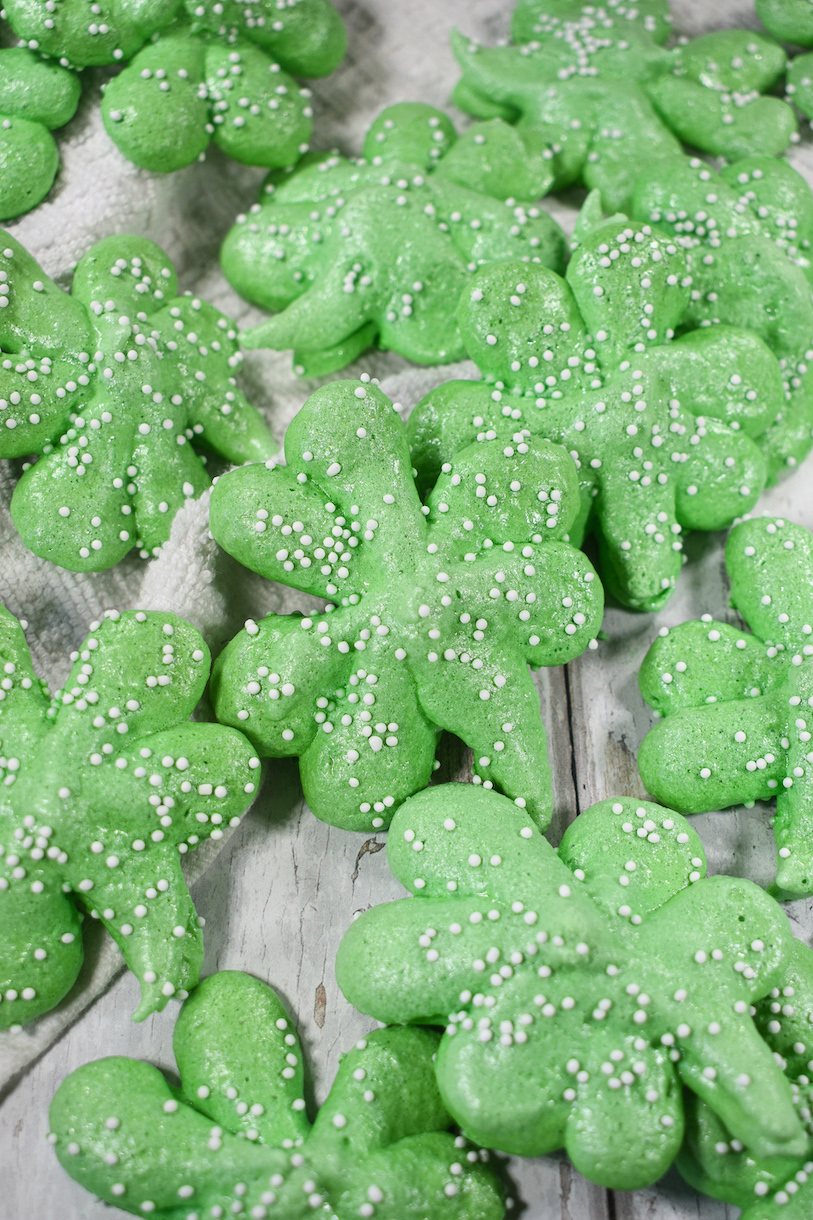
x: 221, y: 72
x: 663, y: 431
x: 113, y: 385
x: 714, y: 1163
x: 735, y: 704
x: 234, y: 1138
x: 436, y: 612
x: 35, y: 97
x: 593, y: 82
x: 578, y: 990
x: 353, y: 252
x: 747, y: 234
x: 103, y: 787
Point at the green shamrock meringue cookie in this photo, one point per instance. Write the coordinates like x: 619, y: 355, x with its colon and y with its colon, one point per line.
x: 747, y: 235
x: 113, y: 386
x: 35, y: 98
x: 594, y: 84
x: 355, y: 252
x: 735, y: 704
x: 235, y: 1138
x: 665, y: 431
x: 436, y: 611
x: 535, y: 19
x: 714, y: 1163
x: 579, y: 990
x: 104, y: 787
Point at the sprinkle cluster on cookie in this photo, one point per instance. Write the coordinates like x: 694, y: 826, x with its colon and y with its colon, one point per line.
x: 235, y: 1138
x: 103, y: 787
x: 436, y: 611
x: 74, y: 34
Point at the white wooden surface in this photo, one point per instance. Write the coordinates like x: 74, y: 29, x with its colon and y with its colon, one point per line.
x: 279, y: 895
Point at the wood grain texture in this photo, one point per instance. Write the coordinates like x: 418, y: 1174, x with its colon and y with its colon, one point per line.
x: 671, y: 1199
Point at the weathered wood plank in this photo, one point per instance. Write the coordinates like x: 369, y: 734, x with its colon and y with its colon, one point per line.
x: 670, y: 1199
